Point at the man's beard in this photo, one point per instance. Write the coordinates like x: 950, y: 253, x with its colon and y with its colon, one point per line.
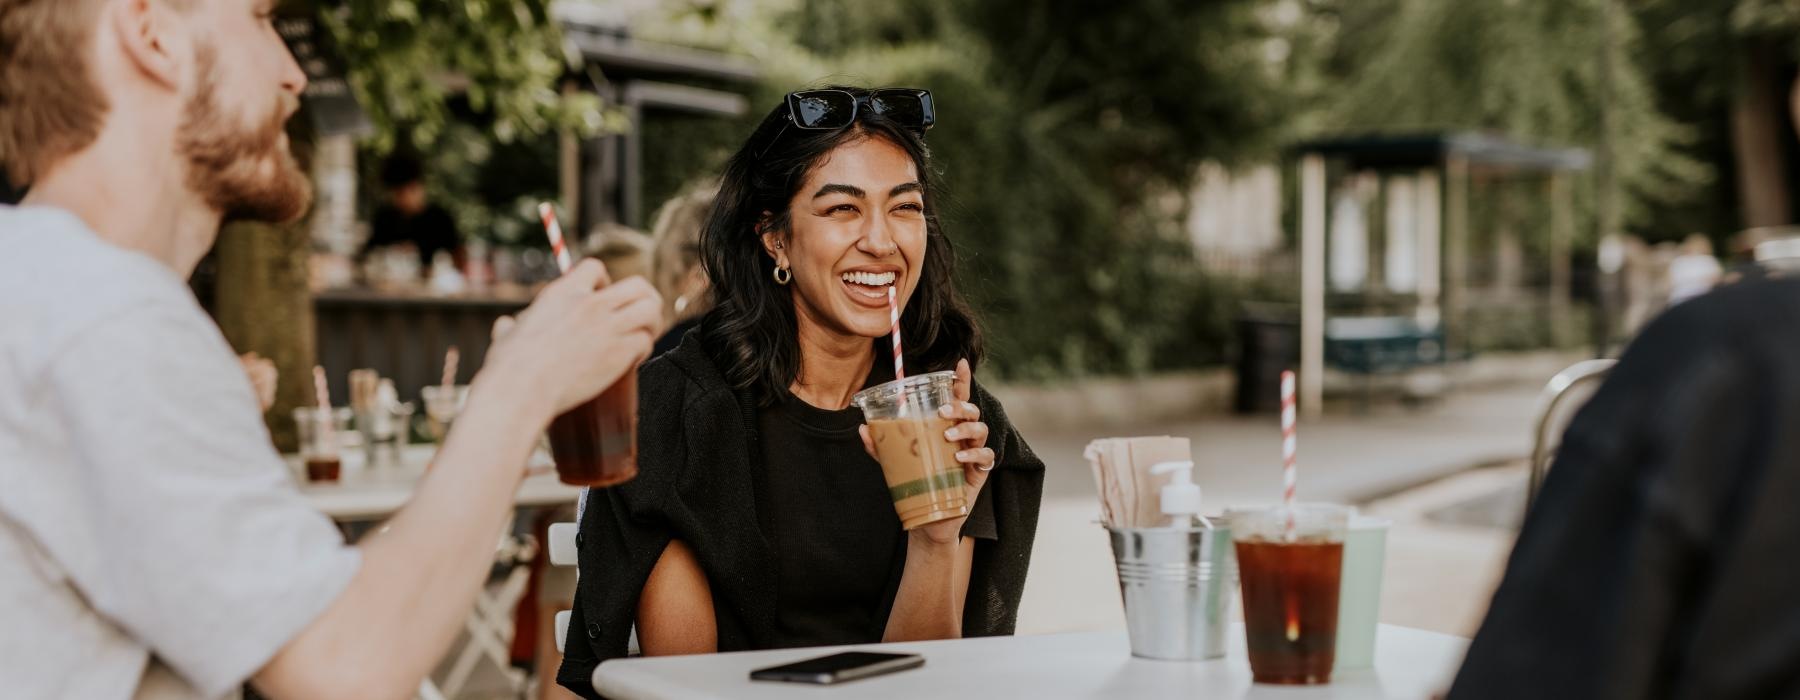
x: 245, y: 174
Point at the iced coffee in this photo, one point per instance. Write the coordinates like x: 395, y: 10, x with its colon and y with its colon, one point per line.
x: 923, y: 476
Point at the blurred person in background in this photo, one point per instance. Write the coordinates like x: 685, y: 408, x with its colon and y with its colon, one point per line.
x: 152, y: 542
x: 625, y: 250
x: 1658, y: 561
x: 1695, y: 271
x: 759, y: 518
x: 408, y: 218
x: 264, y: 378
x: 1639, y: 281
x: 675, y: 267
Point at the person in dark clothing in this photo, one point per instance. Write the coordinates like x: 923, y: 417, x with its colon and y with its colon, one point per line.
x: 758, y: 518
x: 407, y: 218
x: 1659, y: 561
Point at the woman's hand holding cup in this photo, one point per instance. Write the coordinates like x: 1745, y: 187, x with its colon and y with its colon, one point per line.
x: 970, y: 435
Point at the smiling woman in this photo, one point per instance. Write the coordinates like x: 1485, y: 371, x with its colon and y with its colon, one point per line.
x: 759, y: 518
x: 820, y: 190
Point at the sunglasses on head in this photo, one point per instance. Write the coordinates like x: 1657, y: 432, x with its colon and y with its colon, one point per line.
x: 826, y: 110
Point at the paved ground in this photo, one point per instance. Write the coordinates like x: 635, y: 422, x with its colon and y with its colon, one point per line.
x: 1394, y: 460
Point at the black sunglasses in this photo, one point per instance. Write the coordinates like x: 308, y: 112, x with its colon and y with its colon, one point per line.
x: 825, y: 110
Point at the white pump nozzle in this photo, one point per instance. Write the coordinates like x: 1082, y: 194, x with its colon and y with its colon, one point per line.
x: 1180, y: 497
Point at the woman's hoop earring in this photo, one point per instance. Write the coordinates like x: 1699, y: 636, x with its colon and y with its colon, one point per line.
x: 783, y: 276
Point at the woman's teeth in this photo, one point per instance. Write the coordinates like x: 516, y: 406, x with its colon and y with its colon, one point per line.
x: 870, y: 279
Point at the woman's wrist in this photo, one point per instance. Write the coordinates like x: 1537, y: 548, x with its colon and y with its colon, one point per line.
x: 920, y: 537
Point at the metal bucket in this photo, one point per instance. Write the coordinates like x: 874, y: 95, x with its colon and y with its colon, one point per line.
x: 1177, y: 584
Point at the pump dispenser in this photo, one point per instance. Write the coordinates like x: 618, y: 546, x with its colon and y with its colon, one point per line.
x: 1181, y: 496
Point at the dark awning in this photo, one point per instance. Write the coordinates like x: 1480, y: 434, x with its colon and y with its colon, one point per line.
x: 1427, y: 150
x: 601, y: 37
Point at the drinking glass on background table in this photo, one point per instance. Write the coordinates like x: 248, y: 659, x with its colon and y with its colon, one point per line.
x: 1290, y: 571
x: 922, y: 473
x: 442, y: 405
x: 320, y: 448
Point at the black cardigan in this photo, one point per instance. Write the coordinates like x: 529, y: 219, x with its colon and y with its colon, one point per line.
x: 696, y: 482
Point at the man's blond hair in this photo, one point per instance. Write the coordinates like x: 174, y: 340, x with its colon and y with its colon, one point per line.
x: 50, y: 105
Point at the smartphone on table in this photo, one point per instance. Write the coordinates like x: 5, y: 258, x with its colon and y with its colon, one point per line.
x: 839, y: 668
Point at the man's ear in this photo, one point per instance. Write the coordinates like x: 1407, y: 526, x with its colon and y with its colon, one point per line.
x: 152, y: 38
x: 774, y: 240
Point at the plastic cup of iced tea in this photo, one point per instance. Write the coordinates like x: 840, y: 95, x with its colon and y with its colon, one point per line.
x: 1290, y: 564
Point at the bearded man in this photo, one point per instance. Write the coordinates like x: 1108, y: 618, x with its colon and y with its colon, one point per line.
x: 152, y: 543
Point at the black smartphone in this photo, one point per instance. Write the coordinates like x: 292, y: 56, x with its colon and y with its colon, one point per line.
x: 839, y: 668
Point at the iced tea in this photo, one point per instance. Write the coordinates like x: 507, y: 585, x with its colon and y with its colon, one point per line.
x: 323, y: 469
x: 1290, y: 564
x: 1290, y: 608
x: 595, y: 443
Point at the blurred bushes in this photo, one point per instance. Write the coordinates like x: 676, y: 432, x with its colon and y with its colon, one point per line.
x: 1068, y: 136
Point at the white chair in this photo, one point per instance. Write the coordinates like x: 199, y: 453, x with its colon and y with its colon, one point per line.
x: 562, y: 553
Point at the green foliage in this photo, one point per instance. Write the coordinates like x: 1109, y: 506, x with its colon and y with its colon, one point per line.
x: 1529, y: 69
x: 474, y: 86
x: 410, y: 58
x: 1695, y: 51
x: 1068, y: 135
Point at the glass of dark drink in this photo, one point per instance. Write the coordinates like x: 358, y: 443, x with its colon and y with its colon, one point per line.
x: 595, y: 443
x: 1290, y: 562
x: 319, y: 446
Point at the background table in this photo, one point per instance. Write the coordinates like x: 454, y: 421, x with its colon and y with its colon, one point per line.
x: 1409, y: 664
x: 365, y: 493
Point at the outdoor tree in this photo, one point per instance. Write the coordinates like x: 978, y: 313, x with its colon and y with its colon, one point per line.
x: 1069, y: 134
x: 413, y: 64
x: 1729, y: 66
x: 1550, y: 72
x: 410, y: 59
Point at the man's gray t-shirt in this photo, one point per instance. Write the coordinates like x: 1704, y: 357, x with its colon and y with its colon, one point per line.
x: 152, y: 542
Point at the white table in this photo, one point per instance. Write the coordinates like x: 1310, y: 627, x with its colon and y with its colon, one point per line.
x: 1409, y: 664
x: 364, y: 493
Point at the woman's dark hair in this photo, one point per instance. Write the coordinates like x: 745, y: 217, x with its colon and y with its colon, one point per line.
x: 752, y: 330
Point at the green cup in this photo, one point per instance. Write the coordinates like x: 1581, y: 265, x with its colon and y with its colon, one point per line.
x: 1359, y: 593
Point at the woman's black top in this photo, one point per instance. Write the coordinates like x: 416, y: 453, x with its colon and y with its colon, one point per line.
x: 789, y: 518
x: 839, y: 549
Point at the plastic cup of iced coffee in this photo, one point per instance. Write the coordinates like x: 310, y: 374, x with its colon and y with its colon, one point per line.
x: 1290, y: 564
x: 920, y: 464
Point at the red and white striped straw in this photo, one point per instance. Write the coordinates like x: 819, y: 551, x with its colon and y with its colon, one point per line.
x: 327, y: 427
x: 451, y: 358
x: 894, y: 316
x: 320, y: 392
x: 1288, y: 439
x: 554, y: 230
